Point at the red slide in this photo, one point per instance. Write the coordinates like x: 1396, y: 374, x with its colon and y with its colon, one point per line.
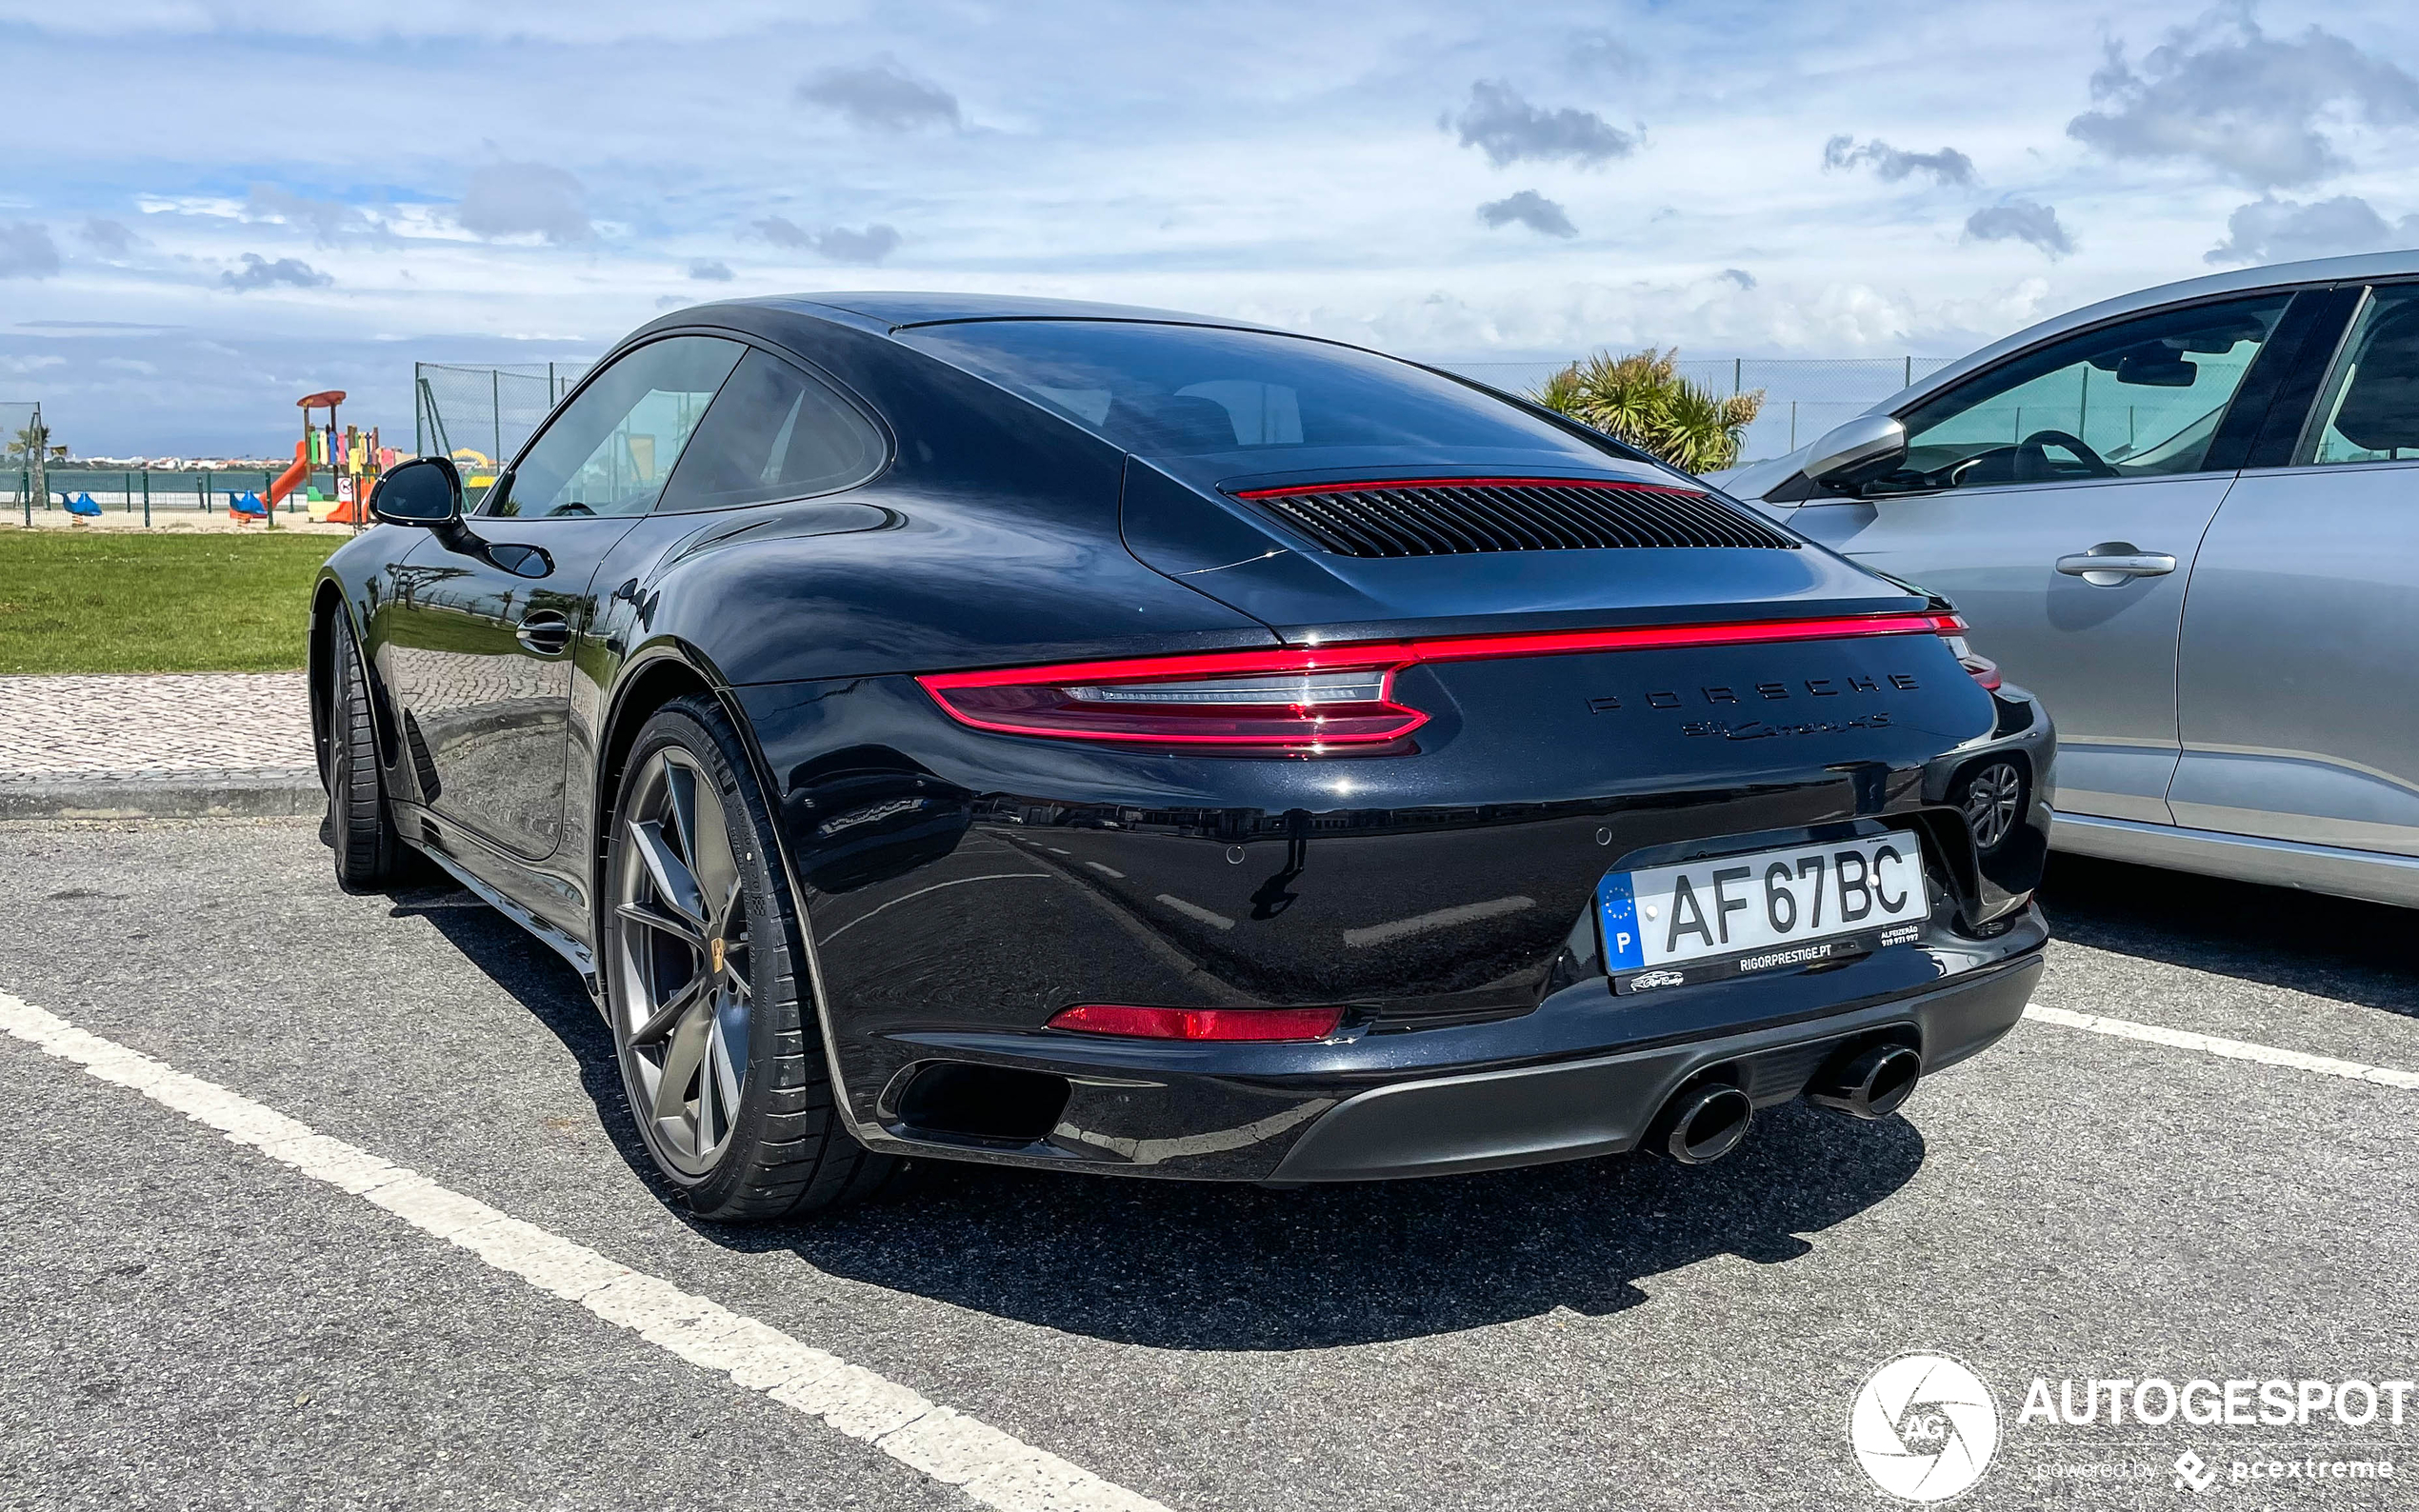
x: 292, y: 477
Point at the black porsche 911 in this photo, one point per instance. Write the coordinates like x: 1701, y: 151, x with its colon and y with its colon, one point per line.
x: 1072, y: 736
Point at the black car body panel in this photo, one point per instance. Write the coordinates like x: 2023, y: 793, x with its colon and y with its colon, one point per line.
x: 960, y: 885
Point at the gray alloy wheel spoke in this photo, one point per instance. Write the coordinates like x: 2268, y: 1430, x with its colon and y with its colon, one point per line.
x: 723, y: 1078
x: 711, y: 859
x: 650, y: 916
x: 701, y: 1127
x: 676, y: 884
x: 665, y: 1018
x: 684, y: 1052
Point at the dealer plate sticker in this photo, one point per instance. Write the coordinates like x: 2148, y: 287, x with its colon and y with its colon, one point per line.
x: 1765, y: 911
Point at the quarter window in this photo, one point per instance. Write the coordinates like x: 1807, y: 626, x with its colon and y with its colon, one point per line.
x: 2368, y: 409
x: 613, y: 447
x: 773, y: 434
x: 2141, y: 399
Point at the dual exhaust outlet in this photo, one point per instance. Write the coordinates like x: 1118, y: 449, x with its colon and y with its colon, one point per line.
x: 1707, y: 1120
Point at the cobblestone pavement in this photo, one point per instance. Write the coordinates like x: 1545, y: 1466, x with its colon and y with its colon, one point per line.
x: 144, y: 726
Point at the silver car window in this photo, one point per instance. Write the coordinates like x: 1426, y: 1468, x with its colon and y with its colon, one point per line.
x: 2140, y: 398
x: 2368, y: 407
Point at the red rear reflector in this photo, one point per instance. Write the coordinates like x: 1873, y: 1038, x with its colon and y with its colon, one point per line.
x: 1311, y: 699
x: 1983, y: 669
x: 1199, y: 1023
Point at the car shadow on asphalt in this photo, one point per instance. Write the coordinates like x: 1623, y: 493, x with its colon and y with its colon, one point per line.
x: 1216, y: 1266
x: 2280, y: 937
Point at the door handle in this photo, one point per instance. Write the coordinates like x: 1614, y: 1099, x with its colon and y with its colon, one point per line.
x: 545, y: 633
x: 2111, y: 563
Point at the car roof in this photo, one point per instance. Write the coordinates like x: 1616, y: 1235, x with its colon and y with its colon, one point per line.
x: 901, y: 308
x: 2241, y: 281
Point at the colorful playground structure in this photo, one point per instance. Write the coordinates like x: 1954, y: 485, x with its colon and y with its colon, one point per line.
x: 353, y: 455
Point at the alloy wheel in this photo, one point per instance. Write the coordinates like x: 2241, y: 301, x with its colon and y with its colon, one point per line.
x: 681, y: 962
x: 1994, y: 798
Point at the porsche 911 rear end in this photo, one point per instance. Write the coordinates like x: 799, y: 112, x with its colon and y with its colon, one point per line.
x: 1552, y: 807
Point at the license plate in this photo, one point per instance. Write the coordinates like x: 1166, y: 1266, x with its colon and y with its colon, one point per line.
x: 1770, y: 910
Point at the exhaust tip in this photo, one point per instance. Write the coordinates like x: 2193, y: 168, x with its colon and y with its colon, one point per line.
x: 1871, y: 1083
x: 1702, y: 1124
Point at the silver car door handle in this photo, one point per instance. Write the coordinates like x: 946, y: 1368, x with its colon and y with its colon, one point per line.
x: 545, y: 633
x: 2113, y: 562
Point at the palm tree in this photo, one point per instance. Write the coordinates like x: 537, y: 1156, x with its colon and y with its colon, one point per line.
x: 1642, y: 399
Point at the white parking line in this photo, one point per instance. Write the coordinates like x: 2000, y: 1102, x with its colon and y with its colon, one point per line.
x: 1194, y: 910
x: 2232, y: 1050
x: 993, y: 1467
x: 1422, y: 922
x: 953, y: 882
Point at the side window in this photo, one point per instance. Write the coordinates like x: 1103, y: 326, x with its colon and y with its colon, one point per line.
x: 610, y: 451
x: 773, y: 434
x: 2368, y: 407
x: 2139, y: 399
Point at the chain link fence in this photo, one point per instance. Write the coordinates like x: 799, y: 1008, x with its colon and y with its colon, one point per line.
x: 480, y: 414
x: 18, y: 424
x: 1802, y: 396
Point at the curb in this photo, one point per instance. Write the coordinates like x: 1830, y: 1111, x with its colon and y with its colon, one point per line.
x: 275, y: 792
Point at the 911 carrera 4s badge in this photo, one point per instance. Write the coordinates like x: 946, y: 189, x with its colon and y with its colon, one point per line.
x: 1768, y: 910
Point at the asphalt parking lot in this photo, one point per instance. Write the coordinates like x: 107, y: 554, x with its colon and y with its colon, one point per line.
x: 195, y: 1324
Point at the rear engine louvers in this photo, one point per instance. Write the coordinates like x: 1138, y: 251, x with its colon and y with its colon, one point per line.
x: 1447, y: 516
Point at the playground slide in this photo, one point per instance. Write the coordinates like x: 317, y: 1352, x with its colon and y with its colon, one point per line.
x: 292, y: 477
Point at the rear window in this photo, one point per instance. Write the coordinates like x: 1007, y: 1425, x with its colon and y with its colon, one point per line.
x: 1196, y: 391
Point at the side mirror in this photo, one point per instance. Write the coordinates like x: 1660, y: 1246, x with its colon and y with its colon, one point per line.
x: 1863, y: 448
x: 425, y: 491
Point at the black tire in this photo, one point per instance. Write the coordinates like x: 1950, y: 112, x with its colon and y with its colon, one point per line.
x: 785, y: 1151
x: 360, y: 830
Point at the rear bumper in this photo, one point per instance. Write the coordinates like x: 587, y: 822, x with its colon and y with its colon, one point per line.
x: 1602, y: 1106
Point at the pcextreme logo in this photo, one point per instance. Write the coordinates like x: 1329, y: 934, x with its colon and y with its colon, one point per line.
x: 1924, y: 1427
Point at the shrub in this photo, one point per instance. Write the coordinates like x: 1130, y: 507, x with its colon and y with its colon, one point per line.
x: 1642, y: 399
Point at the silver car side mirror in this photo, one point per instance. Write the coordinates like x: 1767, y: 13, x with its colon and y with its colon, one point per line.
x: 1858, y: 449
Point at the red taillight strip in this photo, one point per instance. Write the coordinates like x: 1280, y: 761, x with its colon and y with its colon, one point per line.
x: 1373, y: 485
x: 1199, y: 1023
x: 1350, y: 655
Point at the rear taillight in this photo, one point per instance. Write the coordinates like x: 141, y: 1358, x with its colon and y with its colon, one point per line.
x: 1985, y: 671
x: 1271, y: 700
x: 1304, y: 701
x: 1310, y: 700
x: 1199, y: 1023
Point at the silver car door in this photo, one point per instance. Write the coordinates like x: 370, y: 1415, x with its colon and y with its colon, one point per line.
x: 2058, y: 499
x: 2296, y: 694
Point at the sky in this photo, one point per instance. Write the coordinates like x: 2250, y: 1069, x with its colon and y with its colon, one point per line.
x: 210, y: 207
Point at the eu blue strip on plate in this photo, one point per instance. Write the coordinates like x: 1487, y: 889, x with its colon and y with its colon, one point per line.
x: 1618, y: 913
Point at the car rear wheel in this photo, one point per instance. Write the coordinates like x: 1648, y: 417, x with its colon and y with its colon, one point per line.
x: 360, y: 830
x: 1993, y: 804
x: 720, y: 1050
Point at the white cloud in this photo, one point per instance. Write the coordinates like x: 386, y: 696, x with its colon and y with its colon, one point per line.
x: 27, y: 251
x: 880, y: 96
x: 1509, y: 129
x: 1531, y: 210
x: 523, y: 199
x: 2020, y: 220
x: 2274, y: 230
x: 1947, y: 166
x: 2225, y: 93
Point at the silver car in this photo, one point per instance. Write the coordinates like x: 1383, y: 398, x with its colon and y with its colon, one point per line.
x: 2188, y: 519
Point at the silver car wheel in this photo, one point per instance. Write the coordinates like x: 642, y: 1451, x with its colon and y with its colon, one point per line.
x: 1994, y: 799
x: 680, y: 961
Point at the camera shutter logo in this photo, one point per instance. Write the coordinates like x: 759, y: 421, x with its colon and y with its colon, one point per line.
x: 1924, y: 1427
